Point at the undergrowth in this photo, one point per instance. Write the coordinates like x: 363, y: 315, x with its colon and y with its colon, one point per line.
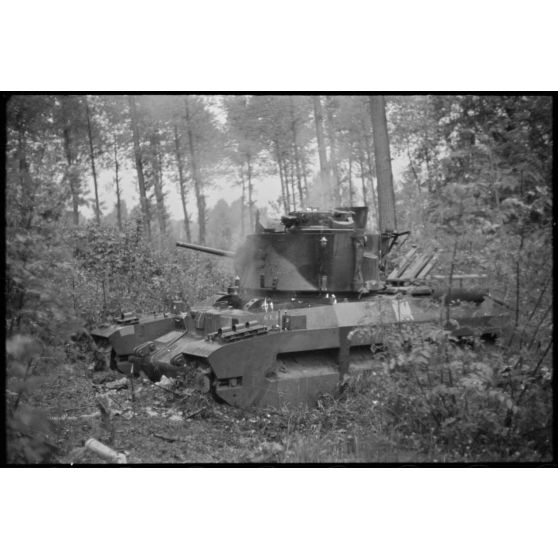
x: 429, y: 398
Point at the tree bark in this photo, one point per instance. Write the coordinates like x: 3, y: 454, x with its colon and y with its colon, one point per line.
x: 158, y: 182
x: 324, y: 168
x: 290, y: 166
x: 362, y: 177
x: 25, y: 181
x: 250, y: 192
x: 386, y: 194
x: 242, y: 203
x: 333, y: 153
x: 73, y: 177
x: 145, y: 213
x: 296, y: 152
x: 182, y: 183
x: 198, y: 186
x: 350, y: 178
x: 373, y: 191
x: 117, y: 180
x: 287, y: 186
x: 92, y: 156
x: 283, y: 178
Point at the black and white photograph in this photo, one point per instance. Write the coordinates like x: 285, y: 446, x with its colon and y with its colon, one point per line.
x: 279, y: 278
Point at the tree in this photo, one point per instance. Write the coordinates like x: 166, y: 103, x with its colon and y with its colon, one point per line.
x: 182, y: 182
x: 386, y: 194
x: 244, y: 146
x: 325, y: 181
x: 72, y: 126
x: 145, y: 211
x: 330, y: 108
x: 92, y: 158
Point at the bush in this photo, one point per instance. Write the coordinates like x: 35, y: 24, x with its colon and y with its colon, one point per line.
x: 469, y: 403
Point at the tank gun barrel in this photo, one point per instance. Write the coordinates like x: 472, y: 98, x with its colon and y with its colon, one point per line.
x: 206, y: 249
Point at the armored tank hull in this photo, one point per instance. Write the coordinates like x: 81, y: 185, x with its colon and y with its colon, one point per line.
x: 287, y: 355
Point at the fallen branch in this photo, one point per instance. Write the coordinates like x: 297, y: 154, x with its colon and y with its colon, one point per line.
x: 194, y: 413
x: 105, y: 452
x: 169, y: 438
x: 163, y: 388
x: 79, y: 417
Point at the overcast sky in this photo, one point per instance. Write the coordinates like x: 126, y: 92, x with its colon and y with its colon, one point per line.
x: 266, y: 189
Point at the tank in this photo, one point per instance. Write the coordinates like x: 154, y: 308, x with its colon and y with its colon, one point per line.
x: 309, y: 300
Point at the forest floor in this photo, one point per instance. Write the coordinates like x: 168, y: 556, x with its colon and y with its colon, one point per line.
x: 167, y: 423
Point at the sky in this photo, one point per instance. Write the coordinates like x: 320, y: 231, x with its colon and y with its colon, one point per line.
x: 266, y: 190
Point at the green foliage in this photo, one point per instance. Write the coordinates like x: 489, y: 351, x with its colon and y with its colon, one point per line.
x: 468, y: 403
x: 28, y: 429
x: 118, y: 271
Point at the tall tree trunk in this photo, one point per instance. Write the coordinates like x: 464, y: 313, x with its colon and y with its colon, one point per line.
x: 371, y: 175
x: 182, y: 183
x: 295, y: 152
x: 92, y: 155
x: 292, y: 176
x: 158, y: 182
x: 25, y: 181
x: 198, y: 186
x: 287, y: 190
x: 325, y: 181
x: 304, y: 179
x: 362, y: 177
x: 333, y: 153
x: 117, y: 180
x: 242, y: 203
x: 283, y: 178
x: 386, y: 194
x: 350, y: 178
x: 145, y: 213
x: 250, y: 192
x: 73, y: 176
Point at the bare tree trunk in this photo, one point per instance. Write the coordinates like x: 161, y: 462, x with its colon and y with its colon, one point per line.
x: 145, y: 213
x: 362, y: 177
x: 117, y: 180
x: 283, y: 178
x: 324, y: 168
x: 198, y: 186
x: 333, y: 153
x: 250, y: 193
x: 242, y: 203
x: 158, y: 182
x: 304, y: 179
x: 92, y: 155
x: 287, y: 190
x: 182, y: 183
x: 25, y: 180
x: 373, y: 192
x: 292, y: 176
x: 350, y: 177
x: 73, y: 177
x: 295, y: 152
x: 386, y: 194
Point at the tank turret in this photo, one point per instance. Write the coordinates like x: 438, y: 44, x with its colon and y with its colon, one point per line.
x: 316, y: 252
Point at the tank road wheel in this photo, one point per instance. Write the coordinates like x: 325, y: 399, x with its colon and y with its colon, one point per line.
x: 198, y: 376
x: 104, y: 357
x: 153, y: 374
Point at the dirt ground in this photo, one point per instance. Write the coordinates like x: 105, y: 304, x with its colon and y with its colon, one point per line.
x: 170, y: 423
